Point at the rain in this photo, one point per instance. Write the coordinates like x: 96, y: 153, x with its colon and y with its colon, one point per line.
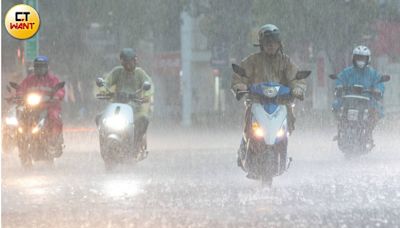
x: 190, y: 176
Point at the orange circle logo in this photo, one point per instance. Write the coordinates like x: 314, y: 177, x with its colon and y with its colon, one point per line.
x: 22, y: 21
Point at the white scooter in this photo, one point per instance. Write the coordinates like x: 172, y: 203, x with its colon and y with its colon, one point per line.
x: 116, y: 127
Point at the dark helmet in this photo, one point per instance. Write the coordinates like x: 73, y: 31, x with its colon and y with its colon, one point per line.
x: 268, y: 32
x: 41, y: 65
x: 41, y: 60
x: 127, y: 54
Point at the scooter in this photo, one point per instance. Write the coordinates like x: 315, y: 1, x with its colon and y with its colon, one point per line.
x: 354, y: 117
x: 116, y: 127
x: 263, y: 153
x: 33, y: 136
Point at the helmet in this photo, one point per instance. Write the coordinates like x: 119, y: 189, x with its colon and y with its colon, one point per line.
x: 41, y: 65
x: 41, y: 60
x: 362, y: 51
x: 127, y: 54
x: 268, y: 31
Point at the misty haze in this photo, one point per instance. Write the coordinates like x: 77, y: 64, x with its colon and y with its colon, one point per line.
x: 187, y: 140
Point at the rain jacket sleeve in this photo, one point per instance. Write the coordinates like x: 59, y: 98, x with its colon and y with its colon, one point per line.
x: 59, y: 93
x: 146, y: 78
x: 247, y: 65
x: 291, y: 71
x: 23, y: 86
x: 341, y: 79
x: 111, y: 78
x: 378, y: 87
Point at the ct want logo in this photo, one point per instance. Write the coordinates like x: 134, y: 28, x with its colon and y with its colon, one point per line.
x: 22, y: 21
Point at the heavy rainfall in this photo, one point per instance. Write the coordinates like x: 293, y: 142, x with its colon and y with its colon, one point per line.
x: 159, y: 130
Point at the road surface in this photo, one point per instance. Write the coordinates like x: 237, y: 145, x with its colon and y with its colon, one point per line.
x: 190, y: 179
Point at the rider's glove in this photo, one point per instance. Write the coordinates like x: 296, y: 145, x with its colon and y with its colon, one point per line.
x: 240, y: 87
x: 54, y: 100
x: 298, y: 92
x: 103, y: 89
x: 377, y: 94
x: 146, y: 99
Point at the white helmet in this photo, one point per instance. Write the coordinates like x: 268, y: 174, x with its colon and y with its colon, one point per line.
x: 362, y: 51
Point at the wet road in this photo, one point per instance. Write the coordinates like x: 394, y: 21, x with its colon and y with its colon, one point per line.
x: 191, y: 180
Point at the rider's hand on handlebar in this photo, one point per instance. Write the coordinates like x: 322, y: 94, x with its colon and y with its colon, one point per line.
x: 145, y: 99
x: 240, y: 87
x: 298, y: 92
x: 54, y: 100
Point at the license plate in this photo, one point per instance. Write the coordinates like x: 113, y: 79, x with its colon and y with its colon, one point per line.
x: 352, y: 115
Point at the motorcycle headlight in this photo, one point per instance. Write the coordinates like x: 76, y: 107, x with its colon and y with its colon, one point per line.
x: 35, y: 130
x: 257, y: 130
x: 270, y: 92
x: 116, y: 122
x: 12, y: 121
x: 33, y: 99
x: 280, y: 133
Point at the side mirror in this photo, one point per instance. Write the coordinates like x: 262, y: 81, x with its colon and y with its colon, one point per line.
x: 100, y: 82
x: 56, y: 88
x: 239, y: 70
x: 59, y: 86
x: 14, y: 85
x: 302, y: 74
x: 146, y: 86
x: 333, y: 76
x: 384, y: 78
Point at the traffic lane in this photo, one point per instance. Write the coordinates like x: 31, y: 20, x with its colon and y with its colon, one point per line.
x: 202, y: 188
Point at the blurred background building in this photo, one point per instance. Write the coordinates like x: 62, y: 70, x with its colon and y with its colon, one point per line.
x: 188, y: 46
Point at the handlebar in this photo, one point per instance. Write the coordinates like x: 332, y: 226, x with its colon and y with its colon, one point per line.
x: 21, y: 101
x: 121, y: 96
x: 340, y: 92
x: 289, y: 98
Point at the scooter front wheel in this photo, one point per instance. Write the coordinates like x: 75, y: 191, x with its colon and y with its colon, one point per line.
x: 266, y: 180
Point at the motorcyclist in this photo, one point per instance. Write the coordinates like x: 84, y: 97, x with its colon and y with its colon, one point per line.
x: 128, y: 78
x: 361, y: 73
x: 269, y: 64
x: 42, y: 80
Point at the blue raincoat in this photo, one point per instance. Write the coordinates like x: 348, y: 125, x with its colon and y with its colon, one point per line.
x: 367, y: 77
